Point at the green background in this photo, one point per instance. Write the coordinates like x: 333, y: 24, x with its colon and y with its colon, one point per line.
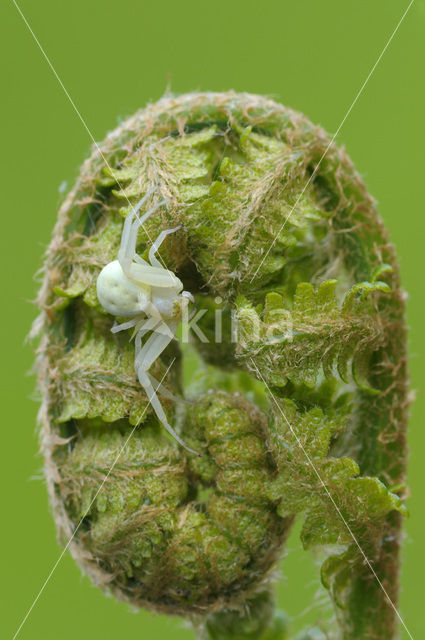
x: 113, y: 57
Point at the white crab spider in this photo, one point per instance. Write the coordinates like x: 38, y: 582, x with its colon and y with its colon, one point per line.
x: 151, y: 296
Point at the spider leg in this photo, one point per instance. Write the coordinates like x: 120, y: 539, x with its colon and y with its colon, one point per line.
x: 163, y: 391
x: 154, y: 346
x: 149, y: 309
x: 158, y: 242
x: 164, y: 329
x: 160, y: 328
x: 153, y: 399
x: 124, y: 325
x: 141, y: 330
x: 153, y: 311
x: 139, y: 259
x: 188, y: 295
x: 128, y: 223
x: 131, y: 227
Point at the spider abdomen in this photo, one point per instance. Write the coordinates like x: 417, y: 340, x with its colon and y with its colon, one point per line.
x: 118, y: 295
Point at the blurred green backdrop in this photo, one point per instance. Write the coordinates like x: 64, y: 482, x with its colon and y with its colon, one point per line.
x: 113, y: 57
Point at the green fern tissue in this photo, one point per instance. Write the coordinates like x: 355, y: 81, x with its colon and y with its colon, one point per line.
x: 297, y: 406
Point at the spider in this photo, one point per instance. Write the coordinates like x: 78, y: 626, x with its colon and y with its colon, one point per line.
x: 151, y: 296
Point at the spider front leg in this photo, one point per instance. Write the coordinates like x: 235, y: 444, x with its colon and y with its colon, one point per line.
x: 127, y: 252
x: 158, y: 242
x: 126, y: 237
x: 150, y: 351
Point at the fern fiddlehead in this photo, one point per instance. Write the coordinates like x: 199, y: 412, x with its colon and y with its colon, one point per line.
x: 304, y: 413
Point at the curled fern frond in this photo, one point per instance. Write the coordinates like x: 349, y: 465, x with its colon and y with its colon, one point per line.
x: 298, y: 405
